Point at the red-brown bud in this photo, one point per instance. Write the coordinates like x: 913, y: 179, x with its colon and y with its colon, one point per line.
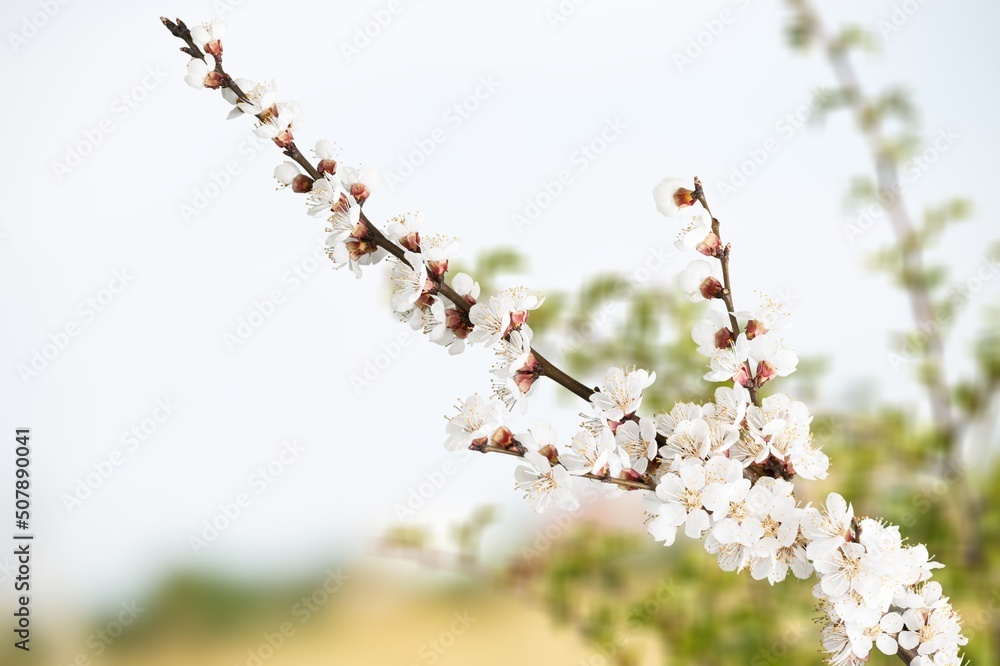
x: 302, y: 183
x: 284, y: 138
x: 214, y: 80
x: 327, y: 166
x: 755, y: 328
x: 526, y: 375
x: 550, y: 452
x: 438, y: 267
x: 360, y: 192
x: 503, y: 437
x: 411, y: 241
x: 458, y: 323
x: 711, y: 288
x: 710, y: 246
x: 765, y: 372
x: 724, y: 338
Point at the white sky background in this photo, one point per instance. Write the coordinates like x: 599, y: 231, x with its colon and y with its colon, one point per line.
x: 162, y: 337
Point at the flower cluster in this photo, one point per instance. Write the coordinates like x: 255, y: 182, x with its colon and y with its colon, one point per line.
x: 721, y: 471
x: 735, y: 491
x: 874, y: 590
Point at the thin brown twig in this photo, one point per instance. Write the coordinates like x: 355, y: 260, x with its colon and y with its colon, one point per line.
x: 722, y: 254
x: 546, y: 367
x: 624, y: 483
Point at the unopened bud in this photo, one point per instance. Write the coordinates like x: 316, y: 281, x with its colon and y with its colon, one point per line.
x: 438, y: 267
x: 411, y: 241
x: 765, y: 372
x: 214, y: 80
x: 302, y: 183
x: 360, y: 192
x: 550, y: 452
x: 631, y: 475
x: 755, y: 328
x: 503, y: 437
x: 711, y: 288
x: 215, y: 47
x: 327, y: 166
x: 724, y: 338
x: 457, y: 323
x: 742, y: 376
x: 710, y: 246
x: 284, y: 138
x: 525, y: 376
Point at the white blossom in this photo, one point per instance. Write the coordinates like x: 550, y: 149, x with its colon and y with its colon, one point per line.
x: 732, y: 513
x: 829, y: 529
x: 671, y: 197
x: 591, y: 453
x: 205, y: 33
x: 666, y: 423
x: 201, y: 73
x: 544, y: 483
x: 326, y: 195
x: 359, y: 182
x: 729, y: 408
x: 678, y: 501
x: 275, y: 122
x: 491, y: 319
x: 476, y: 420
x: 714, y: 332
x: 621, y: 394
x: 286, y: 172
x: 841, y: 569
x: 702, y: 280
x: 540, y: 438
x: 409, y: 282
x: 257, y: 97
x: 638, y: 442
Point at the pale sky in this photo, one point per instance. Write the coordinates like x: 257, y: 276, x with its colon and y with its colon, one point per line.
x: 171, y: 285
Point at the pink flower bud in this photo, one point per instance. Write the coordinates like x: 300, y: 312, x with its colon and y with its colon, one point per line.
x: 411, y: 241
x: 518, y: 318
x: 302, y: 183
x: 711, y: 288
x: 765, y: 372
x: 327, y: 166
x: 710, y: 246
x: 284, y: 138
x: 457, y: 323
x: 631, y: 475
x: 360, y: 192
x: 724, y: 338
x: 525, y: 376
x: 503, y: 437
x: 438, y: 267
x: 755, y: 328
x: 214, y: 80
x: 550, y: 452
x: 742, y: 376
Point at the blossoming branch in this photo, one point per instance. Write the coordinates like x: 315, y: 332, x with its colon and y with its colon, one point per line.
x: 720, y: 471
